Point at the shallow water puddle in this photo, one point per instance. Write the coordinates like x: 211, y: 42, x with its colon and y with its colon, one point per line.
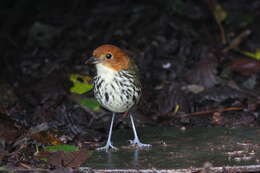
x: 174, y: 148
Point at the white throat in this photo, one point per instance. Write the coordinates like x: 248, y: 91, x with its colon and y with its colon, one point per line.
x: 105, y: 72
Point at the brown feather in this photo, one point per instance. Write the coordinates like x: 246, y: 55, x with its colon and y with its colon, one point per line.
x: 119, y: 60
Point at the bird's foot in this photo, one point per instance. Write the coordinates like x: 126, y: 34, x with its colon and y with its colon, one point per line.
x: 136, y: 142
x: 107, y: 147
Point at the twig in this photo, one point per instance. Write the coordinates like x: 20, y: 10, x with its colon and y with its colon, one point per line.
x: 215, y: 110
x: 222, y: 33
x: 212, y: 4
x: 210, y: 111
x: 235, y: 42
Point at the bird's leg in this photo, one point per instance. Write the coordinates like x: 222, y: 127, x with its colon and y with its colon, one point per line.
x: 109, y: 143
x: 136, y: 140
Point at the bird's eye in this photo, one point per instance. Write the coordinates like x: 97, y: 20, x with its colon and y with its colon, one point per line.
x: 108, y: 56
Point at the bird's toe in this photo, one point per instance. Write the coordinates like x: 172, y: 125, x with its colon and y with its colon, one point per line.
x: 107, y: 147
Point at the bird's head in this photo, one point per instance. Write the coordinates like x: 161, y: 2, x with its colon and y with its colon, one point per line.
x: 111, y: 57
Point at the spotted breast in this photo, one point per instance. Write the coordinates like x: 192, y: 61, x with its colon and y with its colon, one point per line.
x: 117, y: 91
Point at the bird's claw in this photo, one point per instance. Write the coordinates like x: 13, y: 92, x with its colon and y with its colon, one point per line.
x: 107, y: 147
x: 137, y: 143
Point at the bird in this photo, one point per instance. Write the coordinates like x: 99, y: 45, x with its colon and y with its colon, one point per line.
x: 117, y: 87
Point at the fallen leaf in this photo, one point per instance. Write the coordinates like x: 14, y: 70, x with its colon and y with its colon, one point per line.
x: 46, y: 138
x: 66, y: 159
x: 245, y: 66
x: 90, y: 103
x: 62, y: 147
x: 81, y: 84
x: 254, y: 55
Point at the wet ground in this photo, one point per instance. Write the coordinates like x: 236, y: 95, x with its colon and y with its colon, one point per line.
x: 174, y: 149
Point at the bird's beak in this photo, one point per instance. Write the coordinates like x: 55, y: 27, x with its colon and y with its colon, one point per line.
x: 92, y: 60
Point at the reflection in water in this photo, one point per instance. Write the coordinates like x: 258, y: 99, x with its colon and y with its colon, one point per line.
x: 110, y: 158
x: 136, y: 158
x: 193, y: 147
x: 113, y: 158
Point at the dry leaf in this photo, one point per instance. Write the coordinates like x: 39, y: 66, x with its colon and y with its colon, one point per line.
x: 46, y: 138
x: 65, y: 159
x: 245, y: 66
